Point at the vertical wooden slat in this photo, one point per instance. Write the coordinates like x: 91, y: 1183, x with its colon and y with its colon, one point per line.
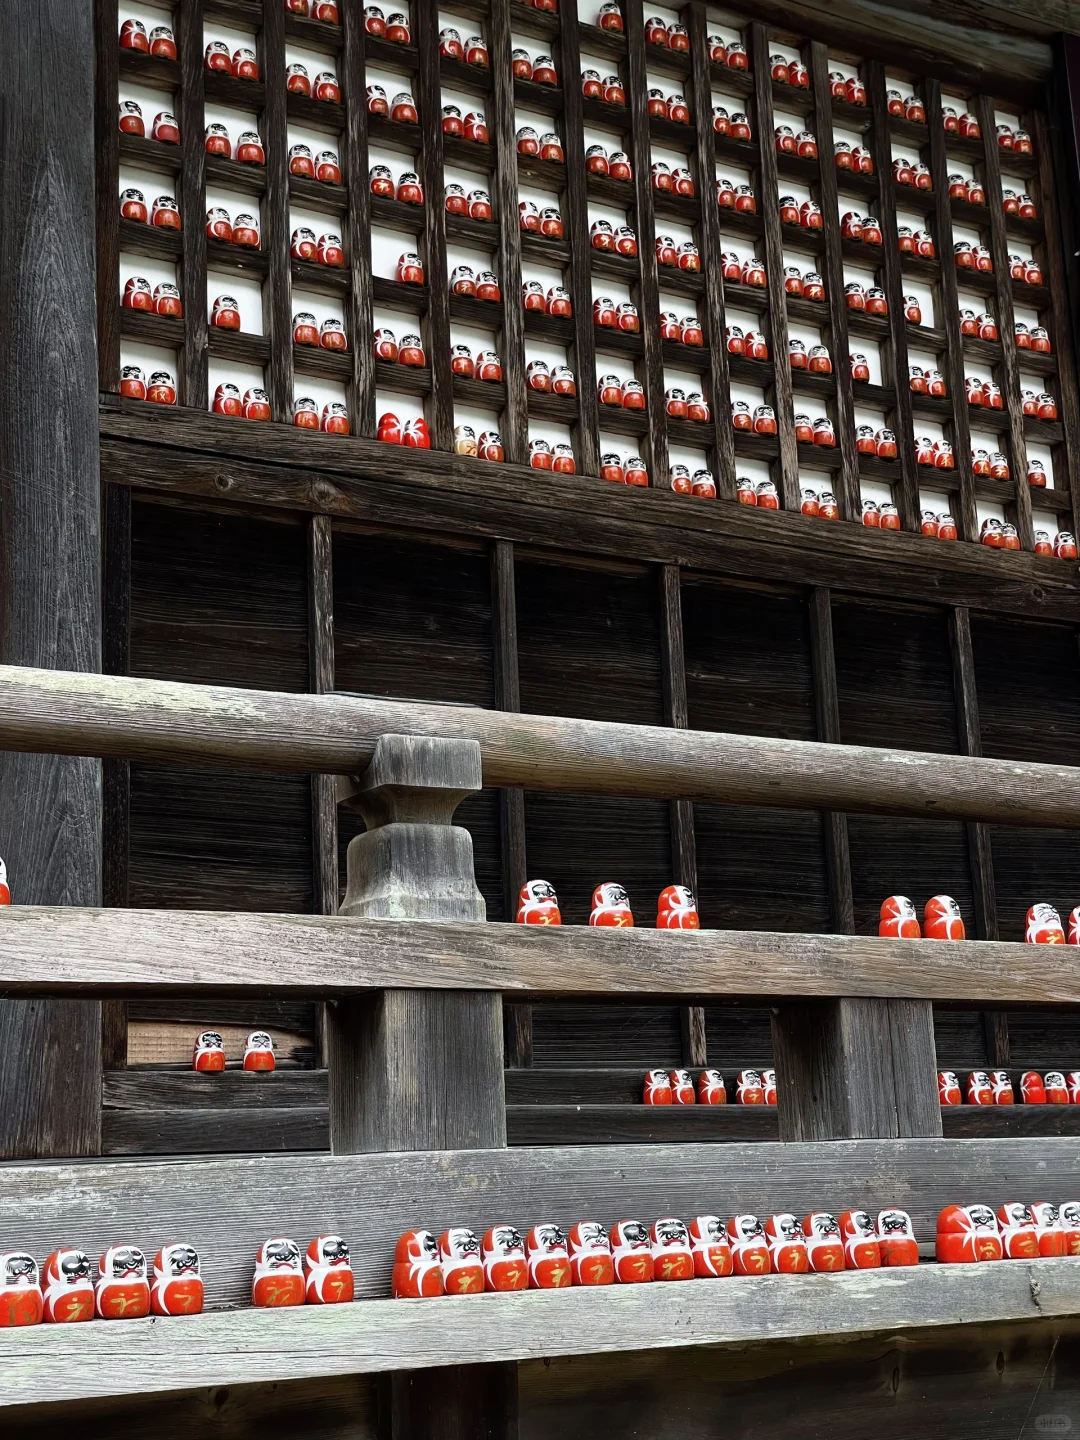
x: 425, y: 20
x: 116, y: 774
x: 360, y: 311
x: 321, y: 680
x: 774, y: 267
x: 50, y: 540
x: 1010, y: 366
x: 1062, y: 338
x: 517, y: 1019
x: 908, y: 498
x: 107, y: 182
x: 515, y: 424
x: 648, y: 299
x: 966, y: 519
x: 849, y: 495
x: 586, y: 434
x: 827, y: 704
x: 277, y: 304
x: 714, y: 319
x: 967, y: 712
x: 683, y: 845
x: 191, y: 196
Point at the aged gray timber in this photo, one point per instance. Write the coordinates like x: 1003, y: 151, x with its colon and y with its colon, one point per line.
x: 50, y: 588
x: 115, y: 715
x: 142, y: 1356
x: 66, y: 951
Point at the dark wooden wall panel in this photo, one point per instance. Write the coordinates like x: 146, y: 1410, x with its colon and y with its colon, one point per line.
x: 413, y: 621
x: 748, y: 671
x: 967, y: 1387
x: 606, y: 1035
x: 220, y: 600
x: 738, y: 1035
x: 960, y: 1039
x: 1028, y: 679
x: 895, y: 687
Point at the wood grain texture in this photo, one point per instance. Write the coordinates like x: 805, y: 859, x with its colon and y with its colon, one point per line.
x: 359, y: 302
x: 435, y: 327
x: 1020, y: 511
x: 906, y: 496
x: 515, y: 422
x: 276, y: 229
x: 67, y: 951
x: 787, y: 475
x: 446, y: 494
x: 50, y: 535
x: 967, y: 710
x: 190, y: 194
x: 960, y: 434
x: 192, y: 1130
x: 107, y: 190
x: 321, y: 679
x: 227, y: 1206
x: 69, y: 712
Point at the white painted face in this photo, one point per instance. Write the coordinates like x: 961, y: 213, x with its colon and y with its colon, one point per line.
x: 748, y: 1227
x: 592, y: 1236
x: 548, y: 1240
x: 824, y: 1226
x: 613, y: 896
x: 895, y: 1222
x: 507, y: 1243
x: 3, y: 873
x: 787, y: 1227
x: 333, y: 1250
x: 672, y: 1234
x: 19, y: 1270
x: 209, y: 1040
x: 180, y: 1260
x: 260, y: 1040
x: 462, y: 1244
x: 1070, y: 1214
x: 1018, y: 1215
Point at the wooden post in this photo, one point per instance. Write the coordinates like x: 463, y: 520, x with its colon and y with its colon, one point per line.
x: 50, y: 559
x: 851, y: 1068
x: 422, y: 1069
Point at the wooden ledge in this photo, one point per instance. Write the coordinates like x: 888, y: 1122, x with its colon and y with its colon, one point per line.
x: 80, y: 1362
x: 68, y: 951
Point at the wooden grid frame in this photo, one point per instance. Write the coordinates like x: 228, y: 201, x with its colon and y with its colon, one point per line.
x: 357, y: 290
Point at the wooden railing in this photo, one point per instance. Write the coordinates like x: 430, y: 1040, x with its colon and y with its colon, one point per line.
x: 415, y: 1054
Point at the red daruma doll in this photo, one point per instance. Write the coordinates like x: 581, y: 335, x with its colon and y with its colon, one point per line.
x: 279, y: 1275
x: 178, y: 1286
x: 676, y: 909
x: 20, y: 1290
x: 631, y: 1252
x: 948, y: 1088
x: 259, y: 1051
x: 967, y: 1233
x: 657, y: 1089
x: 711, y: 1247
x: 749, y: 1088
x: 1043, y: 926
x: 69, y: 1290
x: 682, y: 1088
x: 459, y: 1256
x: 862, y: 1247
x: 328, y: 1274
x: 122, y: 1291
x: 549, y: 1260
x: 711, y: 1089
x: 611, y: 906
x: 538, y: 904
x: 672, y: 1256
x: 209, y: 1052
x: 1070, y: 1224
x: 5, y: 893
x: 898, y: 919
x: 787, y: 1245
x: 897, y: 1237
x: 503, y: 1255
x: 749, y: 1248
x: 1019, y: 1237
x: 824, y: 1247
x: 417, y: 1271
x: 942, y: 919
x: 591, y: 1261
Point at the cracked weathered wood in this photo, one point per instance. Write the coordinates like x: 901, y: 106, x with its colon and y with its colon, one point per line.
x: 219, y: 955
x: 110, y: 715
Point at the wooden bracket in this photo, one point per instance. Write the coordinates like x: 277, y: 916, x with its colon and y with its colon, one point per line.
x: 412, y: 862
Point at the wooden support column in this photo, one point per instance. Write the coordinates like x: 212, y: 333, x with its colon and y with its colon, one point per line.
x: 980, y: 856
x: 321, y: 680
x: 683, y: 844
x: 517, y: 1019
x: 116, y: 774
x: 50, y: 543
x: 422, y: 1069
x: 852, y: 1069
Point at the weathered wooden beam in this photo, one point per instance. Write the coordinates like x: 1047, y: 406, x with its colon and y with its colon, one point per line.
x: 67, y: 951
x: 50, y: 524
x: 111, y: 715
x: 207, y: 457
x: 66, y: 1362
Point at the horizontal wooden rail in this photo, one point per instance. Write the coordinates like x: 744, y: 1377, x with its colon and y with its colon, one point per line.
x: 79, y: 1362
x: 68, y: 951
x: 83, y: 714
x: 226, y: 1206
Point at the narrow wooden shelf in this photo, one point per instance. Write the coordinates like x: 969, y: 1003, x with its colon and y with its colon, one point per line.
x: 408, y: 379
x: 232, y: 175
x: 153, y: 241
